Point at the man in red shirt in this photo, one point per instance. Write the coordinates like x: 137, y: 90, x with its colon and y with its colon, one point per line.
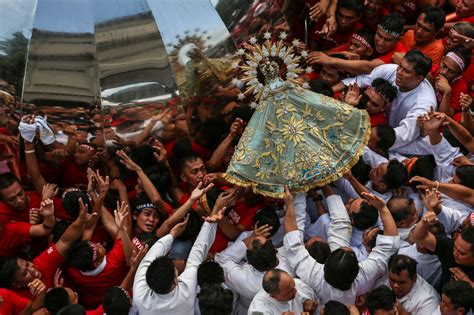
x: 387, y: 43
x: 193, y: 170
x: 17, y: 273
x: 93, y: 270
x: 348, y: 14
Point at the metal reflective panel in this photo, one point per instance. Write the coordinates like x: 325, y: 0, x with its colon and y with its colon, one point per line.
x: 247, y: 18
x: 135, y: 75
x: 199, y: 46
x: 61, y: 75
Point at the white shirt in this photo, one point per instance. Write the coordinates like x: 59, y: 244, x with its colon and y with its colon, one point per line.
x: 451, y: 219
x: 264, y: 304
x: 428, y: 267
x: 181, y: 299
x: 406, y: 107
x: 241, y: 277
x: 422, y: 299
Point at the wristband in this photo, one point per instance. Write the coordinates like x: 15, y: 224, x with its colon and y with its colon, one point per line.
x: 30, y: 151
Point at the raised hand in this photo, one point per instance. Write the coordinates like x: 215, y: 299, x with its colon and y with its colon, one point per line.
x: 47, y: 208
x: 84, y: 217
x: 137, y: 256
x: 35, y: 216
x: 160, y: 153
x: 374, y: 200
x: 226, y: 199
x: 58, y: 279
x: 49, y: 191
x: 179, y: 228
x: 37, y: 287
x: 263, y: 230
x: 216, y: 217
x: 287, y: 196
x: 432, y: 200
x: 120, y: 214
x: 128, y: 162
x: 429, y: 218
x: 461, y: 161
x: 199, y: 191
x: 353, y: 96
x: 236, y: 128
x: 164, y: 116
x: 103, y: 185
x: 424, y: 183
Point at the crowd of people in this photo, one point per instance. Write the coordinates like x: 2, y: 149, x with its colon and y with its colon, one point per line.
x: 150, y: 225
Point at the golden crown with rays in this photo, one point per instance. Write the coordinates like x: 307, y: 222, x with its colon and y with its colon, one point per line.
x: 268, y: 59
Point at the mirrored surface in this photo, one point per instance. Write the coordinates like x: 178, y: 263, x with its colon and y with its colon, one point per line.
x: 135, y: 75
x: 199, y: 46
x: 247, y: 18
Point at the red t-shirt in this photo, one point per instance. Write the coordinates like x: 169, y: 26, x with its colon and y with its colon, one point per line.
x: 468, y: 75
x: 387, y: 57
x: 13, y: 304
x: 91, y: 289
x: 47, y: 263
x: 7, y: 214
x: 240, y: 214
x: 377, y: 119
x: 458, y: 86
x: 73, y: 175
x: 97, y: 311
x: 13, y: 235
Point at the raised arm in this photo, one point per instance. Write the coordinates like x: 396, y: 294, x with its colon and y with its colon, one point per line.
x: 148, y: 186
x: 422, y: 234
x: 340, y: 227
x: 455, y: 191
x: 31, y: 160
x: 215, y: 162
x: 179, y: 214
x: 45, y: 228
x: 74, y: 232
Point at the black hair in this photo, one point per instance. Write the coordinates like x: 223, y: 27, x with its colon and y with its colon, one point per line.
x: 116, y: 301
x: 262, y: 256
x: 368, y: 35
x: 366, y: 217
x: 448, y: 135
x: 321, y: 87
x: 143, y: 155
x: 147, y: 238
x: 352, y: 5
x: 361, y: 171
x: 7, y: 179
x: 435, y: 16
x: 319, y: 250
x: 59, y: 228
x: 373, y: 241
x: 56, y: 299
x: 185, y: 159
x: 271, y: 281
x: 423, y: 167
x: 396, y: 175
x: 467, y: 235
x: 385, y: 87
x: 242, y: 112
x: 71, y: 203
x: 341, y: 269
x: 463, y: 53
x: 466, y: 175
x: 160, y: 176
x: 386, y: 136
x: 210, y: 272
x: 80, y: 256
x: 183, y: 150
x: 215, y: 300
x: 334, y: 307
x: 393, y: 22
x: 268, y: 215
x: 464, y: 28
x: 422, y: 63
x: 160, y: 275
x: 8, y: 267
x: 381, y: 298
x: 397, y: 263
x: 72, y: 309
x: 213, y: 131
x: 461, y: 294
x: 400, y: 207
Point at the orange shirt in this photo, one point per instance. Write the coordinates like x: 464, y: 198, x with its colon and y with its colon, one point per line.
x: 434, y: 50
